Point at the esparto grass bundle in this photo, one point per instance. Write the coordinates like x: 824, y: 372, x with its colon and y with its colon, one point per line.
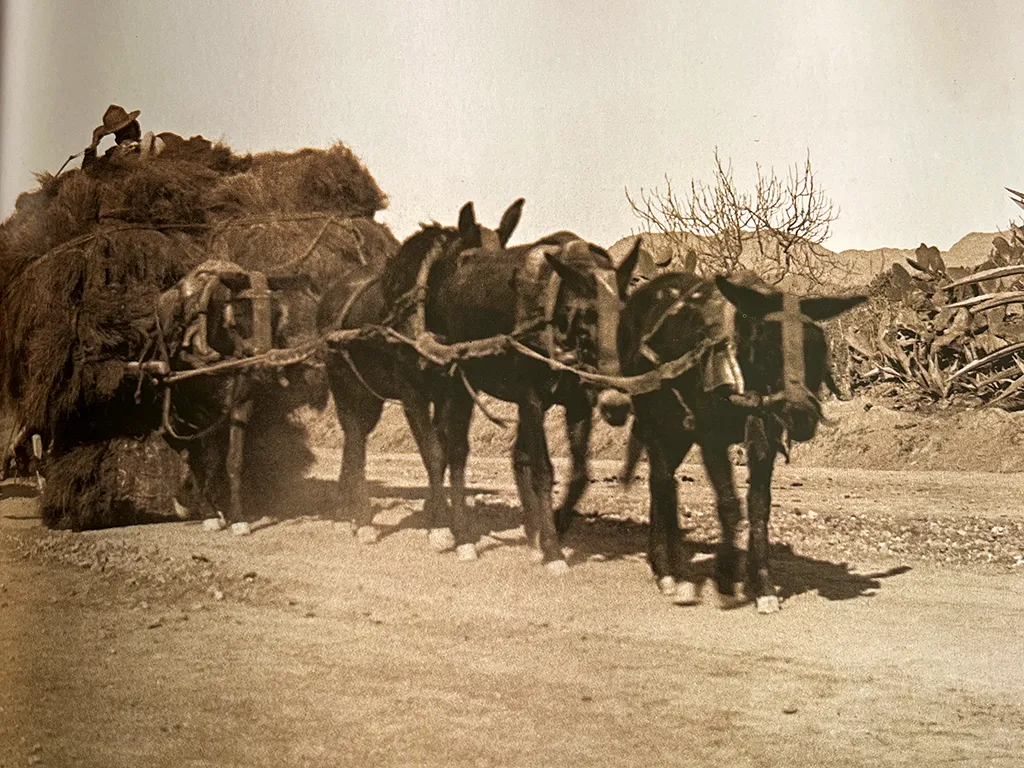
x: 87, y: 253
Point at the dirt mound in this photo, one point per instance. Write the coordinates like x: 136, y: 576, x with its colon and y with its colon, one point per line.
x: 872, y: 436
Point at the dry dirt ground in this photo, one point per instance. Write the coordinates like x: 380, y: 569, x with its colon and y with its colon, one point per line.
x: 899, y: 642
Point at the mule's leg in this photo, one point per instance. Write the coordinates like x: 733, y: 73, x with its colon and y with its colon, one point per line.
x: 454, y: 414
x: 524, y: 485
x: 240, y: 414
x: 358, y: 413
x: 663, y: 551
x: 535, y: 475
x: 634, y: 452
x: 579, y: 419
x: 719, y: 472
x: 417, y: 413
x: 760, y: 464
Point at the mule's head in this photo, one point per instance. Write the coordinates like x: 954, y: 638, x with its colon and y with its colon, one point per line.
x: 585, y: 315
x: 781, y: 348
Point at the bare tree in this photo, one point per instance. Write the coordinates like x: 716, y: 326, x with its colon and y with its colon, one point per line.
x: 776, y: 230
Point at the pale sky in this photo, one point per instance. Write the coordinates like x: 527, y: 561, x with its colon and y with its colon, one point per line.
x: 913, y: 112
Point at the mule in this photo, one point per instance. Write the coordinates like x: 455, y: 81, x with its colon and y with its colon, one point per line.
x: 561, y: 296
x: 227, y: 313
x: 758, y: 384
x: 365, y: 373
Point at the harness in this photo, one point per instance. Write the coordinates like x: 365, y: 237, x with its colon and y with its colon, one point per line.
x: 792, y: 320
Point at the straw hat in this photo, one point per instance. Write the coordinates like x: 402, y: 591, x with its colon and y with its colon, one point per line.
x: 114, y: 119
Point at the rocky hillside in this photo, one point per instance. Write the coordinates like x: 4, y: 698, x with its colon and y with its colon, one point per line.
x: 969, y: 251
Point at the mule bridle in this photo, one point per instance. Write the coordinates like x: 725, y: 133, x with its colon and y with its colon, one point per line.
x: 608, y: 305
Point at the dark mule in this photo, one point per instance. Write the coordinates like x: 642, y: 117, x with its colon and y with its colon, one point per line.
x: 228, y: 314
x: 365, y: 373
x: 757, y: 385
x: 562, y: 297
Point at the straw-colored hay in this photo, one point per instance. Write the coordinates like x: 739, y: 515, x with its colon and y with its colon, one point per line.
x: 122, y: 481
x: 86, y: 254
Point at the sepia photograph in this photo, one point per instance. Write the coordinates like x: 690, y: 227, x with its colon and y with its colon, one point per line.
x: 439, y: 383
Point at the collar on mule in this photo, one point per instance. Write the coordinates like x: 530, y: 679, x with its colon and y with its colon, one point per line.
x: 794, y: 391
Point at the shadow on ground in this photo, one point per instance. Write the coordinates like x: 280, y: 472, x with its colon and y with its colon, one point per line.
x: 594, y: 537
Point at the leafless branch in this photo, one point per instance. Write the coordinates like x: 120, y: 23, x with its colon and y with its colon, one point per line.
x: 776, y: 230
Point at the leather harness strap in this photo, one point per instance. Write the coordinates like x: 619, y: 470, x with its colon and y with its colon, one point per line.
x: 609, y: 307
x: 551, y: 292
x: 792, y: 320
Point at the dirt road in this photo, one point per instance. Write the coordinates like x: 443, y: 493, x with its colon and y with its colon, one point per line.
x: 170, y: 646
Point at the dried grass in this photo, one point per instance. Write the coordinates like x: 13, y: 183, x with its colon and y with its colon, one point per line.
x: 122, y: 481
x: 86, y: 254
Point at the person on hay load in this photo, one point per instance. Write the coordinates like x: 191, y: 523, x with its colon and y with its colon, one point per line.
x: 128, y: 137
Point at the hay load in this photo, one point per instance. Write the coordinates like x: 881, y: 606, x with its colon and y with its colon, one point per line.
x: 87, y: 256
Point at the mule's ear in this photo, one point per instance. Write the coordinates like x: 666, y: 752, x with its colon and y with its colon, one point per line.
x: 509, y: 221
x: 748, y: 299
x: 830, y: 306
x: 469, y: 230
x: 564, y: 270
x: 690, y: 263
x: 624, y: 272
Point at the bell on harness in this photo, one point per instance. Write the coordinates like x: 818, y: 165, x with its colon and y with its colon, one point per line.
x: 722, y: 373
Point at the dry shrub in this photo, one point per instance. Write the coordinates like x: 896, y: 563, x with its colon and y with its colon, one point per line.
x: 73, y: 318
x: 167, y: 193
x: 122, y: 481
x: 199, y: 151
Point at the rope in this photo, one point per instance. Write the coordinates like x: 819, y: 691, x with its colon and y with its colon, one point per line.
x: 166, y: 419
x: 283, y: 268
x: 480, y: 404
x: 275, y: 358
x: 351, y: 364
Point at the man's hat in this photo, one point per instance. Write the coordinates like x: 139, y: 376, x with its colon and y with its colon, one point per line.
x: 115, y: 118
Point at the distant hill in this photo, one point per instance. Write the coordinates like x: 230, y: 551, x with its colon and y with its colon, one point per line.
x: 968, y: 251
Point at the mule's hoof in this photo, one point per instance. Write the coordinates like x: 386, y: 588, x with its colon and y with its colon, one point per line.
x: 367, y: 534
x: 466, y: 553
x: 667, y: 586
x: 687, y: 593
x: 214, y: 524
x: 728, y: 602
x: 241, y: 529
x: 441, y: 539
x: 768, y: 604
x: 557, y: 567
